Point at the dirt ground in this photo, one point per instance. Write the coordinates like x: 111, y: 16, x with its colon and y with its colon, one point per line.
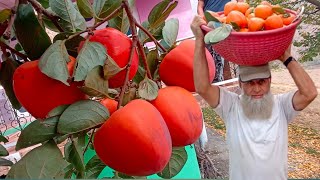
x: 304, y: 132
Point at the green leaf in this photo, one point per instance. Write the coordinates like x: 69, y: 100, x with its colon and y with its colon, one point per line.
x: 209, y: 17
x: 148, y: 89
x: 177, y: 161
x: 68, y: 171
x: 3, y: 139
x: 94, y: 167
x: 95, y: 85
x: 92, y: 54
x: 235, y: 26
x: 156, y: 32
x: 54, y: 61
x: 129, y: 96
x: 74, y: 155
x: 160, y: 13
x: 5, y: 162
x: 85, y: 8
x: 120, y: 22
x: 66, y: 26
x: 38, y: 132
x: 67, y: 11
x: 103, y: 8
x: 170, y: 31
x: 124, y: 176
x: 57, y: 111
x: 139, y: 75
x: 44, y: 3
x: 217, y: 35
x: 71, y: 44
x: 278, y: 10
x: 82, y: 115
x: 30, y: 34
x: 3, y: 151
x: 111, y: 68
x: 152, y: 60
x: 4, y: 15
x: 43, y: 162
x: 6, y: 80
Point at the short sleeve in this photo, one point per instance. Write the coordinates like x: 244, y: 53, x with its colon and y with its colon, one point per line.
x: 226, y: 101
x: 286, y: 100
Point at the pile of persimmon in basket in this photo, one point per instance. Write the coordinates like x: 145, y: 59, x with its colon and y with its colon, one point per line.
x: 262, y: 17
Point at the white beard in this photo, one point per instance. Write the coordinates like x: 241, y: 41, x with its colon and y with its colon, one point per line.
x: 260, y: 109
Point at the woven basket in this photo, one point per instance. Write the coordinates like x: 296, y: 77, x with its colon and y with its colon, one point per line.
x: 256, y: 48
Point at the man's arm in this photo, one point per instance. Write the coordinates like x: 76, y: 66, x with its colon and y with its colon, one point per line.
x: 200, y: 8
x: 203, y: 87
x: 307, y: 90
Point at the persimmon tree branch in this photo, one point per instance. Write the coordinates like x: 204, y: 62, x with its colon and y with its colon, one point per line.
x: 5, y: 46
x: 90, y: 140
x: 37, y: 6
x: 150, y: 36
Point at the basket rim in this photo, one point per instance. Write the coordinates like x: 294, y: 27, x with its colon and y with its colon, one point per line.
x: 268, y: 32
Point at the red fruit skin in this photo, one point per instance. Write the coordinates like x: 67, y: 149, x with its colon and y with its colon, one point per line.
x: 176, y: 68
x: 110, y: 104
x: 134, y: 140
x: 182, y: 114
x: 39, y: 94
x: 118, y: 46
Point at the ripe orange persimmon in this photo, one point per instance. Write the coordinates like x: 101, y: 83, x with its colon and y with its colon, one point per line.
x: 255, y: 24
x: 39, y: 94
x: 118, y: 47
x: 176, y: 68
x: 244, y: 30
x: 242, y: 7
x: 273, y: 22
x: 110, y: 104
x: 263, y: 11
x: 287, y: 18
x: 135, y: 140
x: 249, y: 11
x: 238, y: 18
x: 182, y: 114
x: 230, y: 6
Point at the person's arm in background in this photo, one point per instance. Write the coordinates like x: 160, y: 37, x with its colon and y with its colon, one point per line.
x: 208, y: 92
x: 200, y: 8
x: 307, y: 90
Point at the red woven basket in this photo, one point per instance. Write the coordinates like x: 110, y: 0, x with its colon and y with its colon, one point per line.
x: 256, y: 48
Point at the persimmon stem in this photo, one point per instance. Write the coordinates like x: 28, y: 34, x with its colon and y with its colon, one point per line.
x: 5, y: 46
x: 150, y: 36
x: 98, y: 24
x: 37, y: 6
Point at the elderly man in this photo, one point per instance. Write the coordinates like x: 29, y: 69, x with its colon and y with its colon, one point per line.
x: 256, y: 121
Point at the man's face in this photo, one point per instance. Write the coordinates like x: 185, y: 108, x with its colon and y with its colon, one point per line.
x: 256, y: 99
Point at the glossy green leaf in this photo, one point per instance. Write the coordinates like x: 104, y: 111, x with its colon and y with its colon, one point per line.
x: 66, y: 26
x: 3, y: 139
x: 3, y: 151
x: 44, y: 3
x: 4, y: 15
x: 111, y: 68
x: 218, y: 34
x: 177, y: 161
x: 68, y: 171
x: 85, y: 8
x: 120, y: 22
x: 170, y: 31
x: 6, y: 80
x: 74, y: 155
x: 103, y: 8
x: 5, y: 162
x: 81, y: 116
x: 160, y: 13
x: 152, y: 60
x: 129, y: 96
x: 148, y: 89
x: 38, y: 132
x: 43, y: 162
x: 94, y: 167
x: 72, y: 45
x: 30, y: 34
x: 54, y: 61
x: 68, y: 12
x: 209, y: 17
x: 57, y: 111
x: 95, y: 85
x: 92, y: 54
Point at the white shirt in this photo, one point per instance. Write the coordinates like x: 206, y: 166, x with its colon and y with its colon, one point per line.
x: 258, y: 149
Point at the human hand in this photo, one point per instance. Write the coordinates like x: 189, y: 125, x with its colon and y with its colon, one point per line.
x: 286, y: 54
x: 195, y: 27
